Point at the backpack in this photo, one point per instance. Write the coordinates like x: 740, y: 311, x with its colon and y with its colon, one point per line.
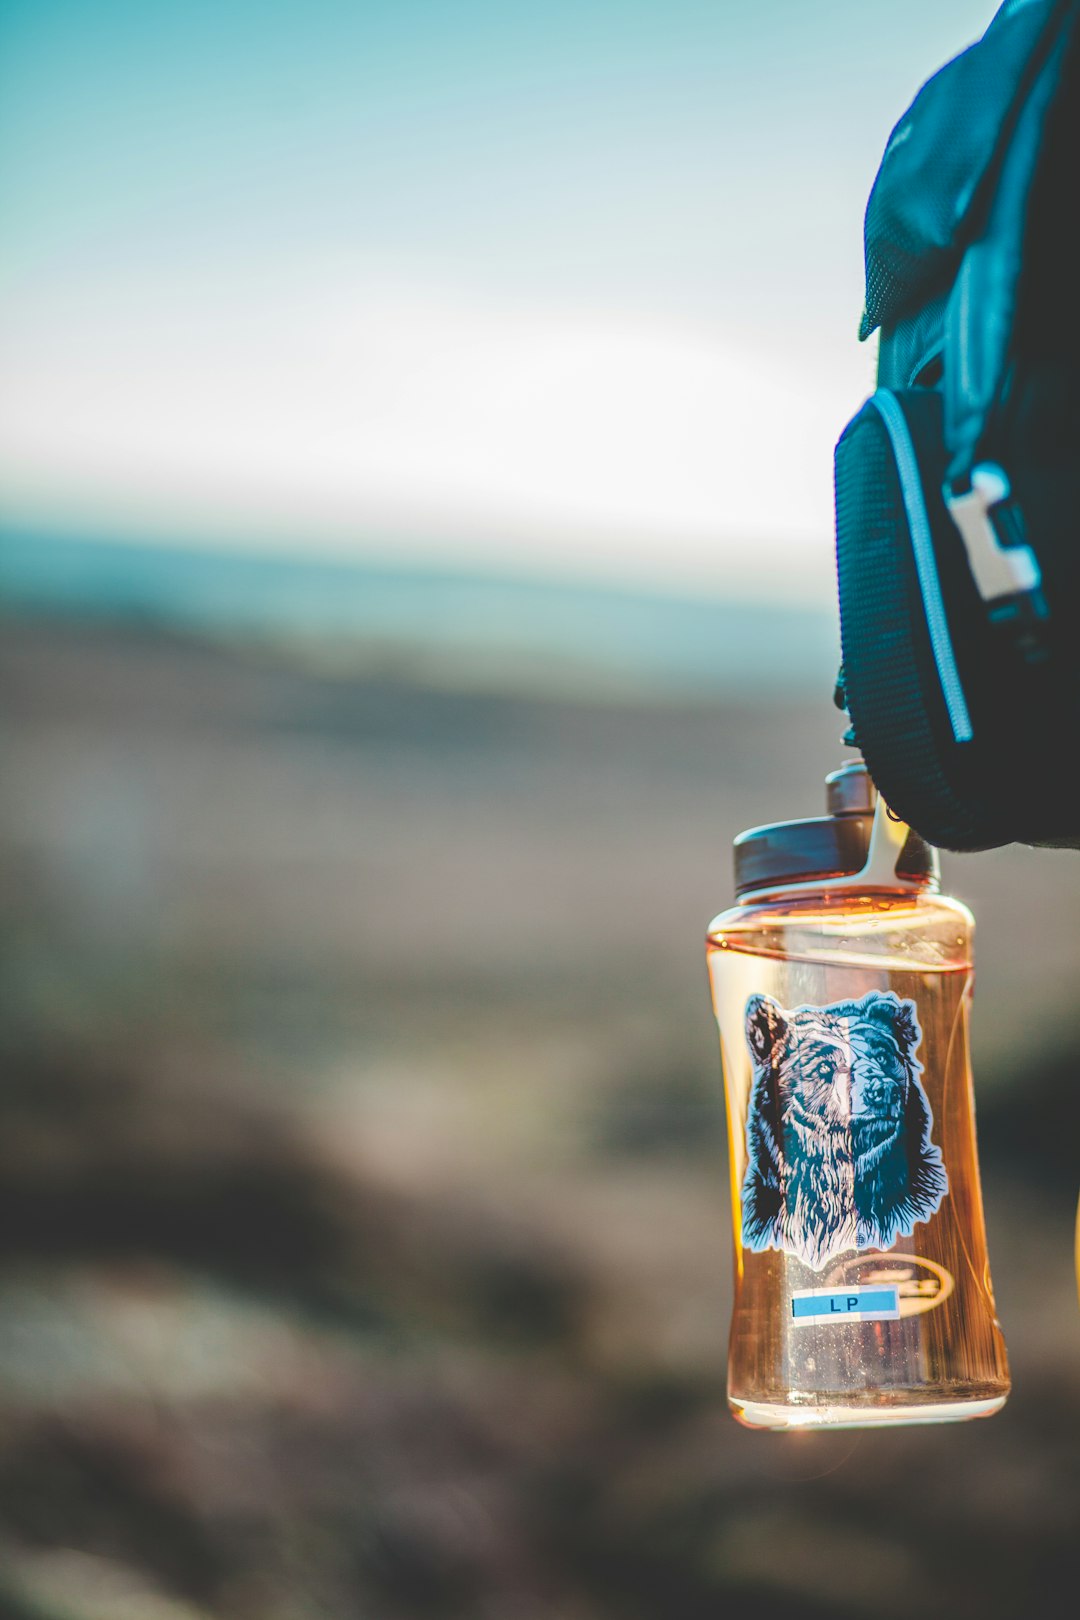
x: 958, y: 482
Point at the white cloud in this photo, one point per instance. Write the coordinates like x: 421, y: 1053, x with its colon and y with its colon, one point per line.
x: 332, y: 403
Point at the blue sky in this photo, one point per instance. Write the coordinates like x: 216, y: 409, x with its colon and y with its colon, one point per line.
x: 569, y: 287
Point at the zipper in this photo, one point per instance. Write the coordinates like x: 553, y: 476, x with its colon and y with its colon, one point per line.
x: 889, y: 409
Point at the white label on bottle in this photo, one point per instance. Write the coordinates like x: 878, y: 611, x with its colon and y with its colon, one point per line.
x: 810, y: 1306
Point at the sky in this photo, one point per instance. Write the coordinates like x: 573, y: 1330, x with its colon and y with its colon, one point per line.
x: 567, y: 288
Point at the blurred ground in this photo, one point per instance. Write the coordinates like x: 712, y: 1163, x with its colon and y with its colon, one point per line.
x: 365, y: 1240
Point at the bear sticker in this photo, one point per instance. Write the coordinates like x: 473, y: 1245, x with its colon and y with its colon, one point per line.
x: 839, y: 1154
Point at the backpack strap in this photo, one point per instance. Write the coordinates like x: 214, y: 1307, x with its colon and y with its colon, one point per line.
x: 980, y: 311
x: 939, y: 165
x: 978, y: 354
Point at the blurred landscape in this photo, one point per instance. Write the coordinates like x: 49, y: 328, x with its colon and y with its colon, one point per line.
x: 415, y: 568
x: 366, y: 1242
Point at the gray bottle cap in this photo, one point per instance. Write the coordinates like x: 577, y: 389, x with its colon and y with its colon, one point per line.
x: 824, y: 847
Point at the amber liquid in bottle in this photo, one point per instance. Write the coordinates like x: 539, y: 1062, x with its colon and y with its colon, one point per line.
x: 943, y: 1357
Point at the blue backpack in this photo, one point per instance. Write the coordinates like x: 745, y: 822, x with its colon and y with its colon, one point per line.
x: 958, y: 482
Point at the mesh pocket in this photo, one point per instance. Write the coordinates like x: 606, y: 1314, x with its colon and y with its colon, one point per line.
x: 902, y: 597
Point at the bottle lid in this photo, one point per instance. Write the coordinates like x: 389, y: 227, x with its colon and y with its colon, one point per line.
x: 830, y: 846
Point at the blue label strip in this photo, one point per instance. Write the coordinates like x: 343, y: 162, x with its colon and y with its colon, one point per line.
x: 812, y: 1305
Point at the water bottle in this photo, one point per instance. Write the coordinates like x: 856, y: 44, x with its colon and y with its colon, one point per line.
x: 842, y: 983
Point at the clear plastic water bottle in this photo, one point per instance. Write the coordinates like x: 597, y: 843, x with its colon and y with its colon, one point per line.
x: 842, y: 984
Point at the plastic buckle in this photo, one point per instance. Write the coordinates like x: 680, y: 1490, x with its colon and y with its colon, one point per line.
x: 1004, y: 567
